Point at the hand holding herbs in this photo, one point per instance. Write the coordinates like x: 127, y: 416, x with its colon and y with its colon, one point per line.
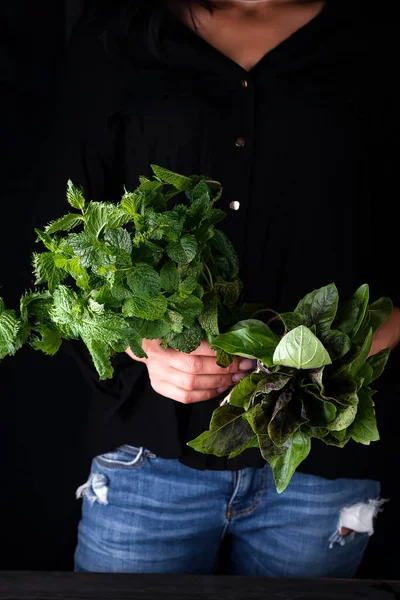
x: 118, y: 274
x: 113, y: 275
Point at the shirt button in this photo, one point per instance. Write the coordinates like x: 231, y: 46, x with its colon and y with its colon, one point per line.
x: 240, y: 142
x: 245, y: 83
x: 235, y: 205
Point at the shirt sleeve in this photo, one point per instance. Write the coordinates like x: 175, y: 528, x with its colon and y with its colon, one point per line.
x: 81, y: 145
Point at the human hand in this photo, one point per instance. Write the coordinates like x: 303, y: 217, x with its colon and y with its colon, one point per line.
x: 189, y: 378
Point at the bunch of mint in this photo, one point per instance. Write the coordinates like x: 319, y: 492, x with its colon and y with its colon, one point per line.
x: 312, y: 382
x: 115, y: 274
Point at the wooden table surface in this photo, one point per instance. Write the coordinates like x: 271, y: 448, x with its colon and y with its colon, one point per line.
x: 15, y: 585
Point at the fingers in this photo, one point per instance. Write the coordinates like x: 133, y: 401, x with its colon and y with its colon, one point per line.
x: 206, y: 365
x: 168, y: 390
x: 204, y: 350
x: 190, y: 382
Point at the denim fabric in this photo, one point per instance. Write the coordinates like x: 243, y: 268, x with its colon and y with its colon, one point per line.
x: 144, y: 514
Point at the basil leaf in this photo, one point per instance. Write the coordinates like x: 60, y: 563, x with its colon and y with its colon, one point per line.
x: 363, y: 429
x: 249, y: 341
x: 301, y: 349
x: 228, y: 433
x: 351, y: 313
x: 319, y: 307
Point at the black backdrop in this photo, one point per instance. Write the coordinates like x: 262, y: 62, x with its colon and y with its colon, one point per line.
x: 43, y: 401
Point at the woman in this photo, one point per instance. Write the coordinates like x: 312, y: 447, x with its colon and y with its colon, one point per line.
x: 269, y: 97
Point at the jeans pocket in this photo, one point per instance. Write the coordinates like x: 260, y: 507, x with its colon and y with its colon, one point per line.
x: 124, y: 457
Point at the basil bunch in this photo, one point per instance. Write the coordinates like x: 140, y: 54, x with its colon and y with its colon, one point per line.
x: 314, y: 382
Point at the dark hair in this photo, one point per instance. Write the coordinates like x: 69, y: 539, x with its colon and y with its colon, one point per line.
x: 120, y: 15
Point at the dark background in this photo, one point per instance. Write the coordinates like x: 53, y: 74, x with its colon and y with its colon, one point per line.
x: 44, y: 401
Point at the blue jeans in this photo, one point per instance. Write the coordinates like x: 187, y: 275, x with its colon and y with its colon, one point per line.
x: 144, y: 514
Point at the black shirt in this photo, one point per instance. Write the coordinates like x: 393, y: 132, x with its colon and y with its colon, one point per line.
x: 298, y: 142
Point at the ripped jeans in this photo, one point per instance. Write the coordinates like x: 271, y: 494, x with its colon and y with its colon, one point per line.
x: 144, y: 514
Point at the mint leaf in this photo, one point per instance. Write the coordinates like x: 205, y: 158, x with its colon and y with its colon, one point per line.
x: 150, y: 308
x: 75, y: 196
x: 170, y: 277
x: 46, y: 271
x: 209, y: 317
x: 144, y: 281
x: 119, y: 238
x: 9, y: 332
x: 49, y: 341
x: 180, y: 182
x: 184, y: 251
x: 65, y: 223
x: 190, y: 308
x: 225, y: 247
x: 187, y: 341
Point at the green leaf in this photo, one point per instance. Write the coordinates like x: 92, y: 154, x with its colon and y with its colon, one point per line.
x: 9, y: 332
x: 291, y: 320
x: 75, y: 196
x: 318, y: 408
x: 49, y: 342
x: 190, y: 308
x: 150, y: 308
x: 66, y: 312
x: 101, y: 355
x: 379, y: 312
x: 91, y: 252
x: 187, y: 286
x: 283, y: 467
x: 170, y: 277
x: 337, y: 343
x: 65, y: 223
x: 250, y: 339
x: 97, y: 216
x: 252, y: 443
x: 351, y: 313
x: 243, y: 391
x: 286, y: 418
x: 144, y: 281
x: 131, y: 202
x: 184, y: 251
x: 353, y: 367
x: 343, y: 419
x: 174, y: 320
x: 46, y: 271
x: 120, y: 238
x: 187, y: 341
x: 180, y: 182
x: 377, y: 363
x: 223, y: 359
x: 148, y: 252
x: 364, y: 429
x: 209, y: 317
x: 228, y: 433
x: 79, y: 273
x: 301, y: 349
x: 153, y: 330
x: 221, y: 242
x: 47, y: 240
x: 319, y: 307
